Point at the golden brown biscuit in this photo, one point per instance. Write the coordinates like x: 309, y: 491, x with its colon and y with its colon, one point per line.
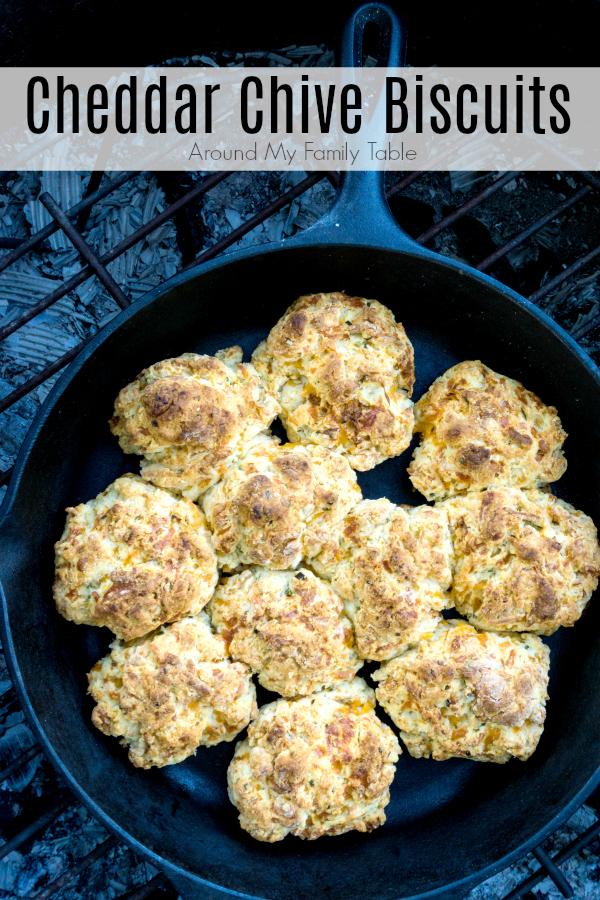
x: 342, y: 369
x: 132, y: 559
x: 166, y: 694
x: 289, y: 627
x: 314, y: 766
x: 276, y: 505
x: 480, y: 429
x: 462, y: 693
x: 393, y: 567
x: 191, y: 416
x: 526, y: 561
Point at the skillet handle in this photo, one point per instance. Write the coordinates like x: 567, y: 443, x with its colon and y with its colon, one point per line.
x: 360, y: 214
x: 392, y: 37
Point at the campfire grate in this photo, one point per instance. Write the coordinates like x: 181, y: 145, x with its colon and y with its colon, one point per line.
x: 72, y: 223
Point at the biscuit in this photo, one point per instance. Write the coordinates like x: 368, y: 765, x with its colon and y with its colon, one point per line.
x: 481, y: 429
x: 276, y: 505
x: 393, y: 567
x: 289, y: 627
x: 466, y: 694
x: 342, y: 369
x: 132, y: 559
x: 166, y: 694
x: 314, y: 766
x: 525, y: 560
x: 192, y: 416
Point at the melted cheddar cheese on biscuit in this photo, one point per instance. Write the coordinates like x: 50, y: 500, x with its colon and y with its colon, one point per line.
x: 342, y: 369
x: 319, y: 765
x: 480, y: 429
x: 467, y: 694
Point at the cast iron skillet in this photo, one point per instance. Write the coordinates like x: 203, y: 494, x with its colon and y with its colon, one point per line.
x: 449, y: 824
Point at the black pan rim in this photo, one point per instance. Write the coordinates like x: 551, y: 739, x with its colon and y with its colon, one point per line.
x: 408, y: 249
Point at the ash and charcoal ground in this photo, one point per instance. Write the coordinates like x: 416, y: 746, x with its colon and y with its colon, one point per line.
x: 25, y: 795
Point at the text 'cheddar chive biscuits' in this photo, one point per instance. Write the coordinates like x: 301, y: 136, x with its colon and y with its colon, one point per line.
x: 319, y: 765
x: 481, y: 429
x: 393, y: 567
x: 132, y: 559
x: 191, y: 416
x: 166, y: 694
x: 342, y: 369
x: 525, y: 560
x: 276, y: 505
x: 289, y: 627
x: 466, y: 694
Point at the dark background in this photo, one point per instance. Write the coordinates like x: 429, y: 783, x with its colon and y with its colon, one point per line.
x: 125, y: 32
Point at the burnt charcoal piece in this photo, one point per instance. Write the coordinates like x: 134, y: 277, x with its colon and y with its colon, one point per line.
x: 475, y: 243
x: 191, y: 230
x: 413, y: 216
x: 533, y: 272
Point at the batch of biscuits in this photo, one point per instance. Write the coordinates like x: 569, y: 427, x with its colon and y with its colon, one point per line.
x: 235, y: 555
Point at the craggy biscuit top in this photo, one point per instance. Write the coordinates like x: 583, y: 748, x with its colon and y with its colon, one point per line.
x: 277, y: 504
x: 483, y: 429
x: 191, y: 416
x: 290, y: 627
x: 132, y: 559
x: 342, y: 369
x: 526, y: 561
x: 392, y: 565
x: 467, y: 694
x: 319, y: 765
x: 167, y: 693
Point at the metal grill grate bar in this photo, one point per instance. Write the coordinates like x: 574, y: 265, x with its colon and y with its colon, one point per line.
x: 554, y: 872
x: 49, y: 229
x: 591, y: 178
x: 471, y: 204
x: 146, y: 889
x: 578, y: 844
x: 562, y: 856
x: 19, y: 762
x: 268, y: 211
x: 40, y: 824
x: 435, y: 159
x: 528, y: 232
x: 8, y: 243
x: 75, y: 870
x: 402, y: 184
x: 42, y: 376
x: 113, y: 253
x: 85, y: 250
x: 566, y: 273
